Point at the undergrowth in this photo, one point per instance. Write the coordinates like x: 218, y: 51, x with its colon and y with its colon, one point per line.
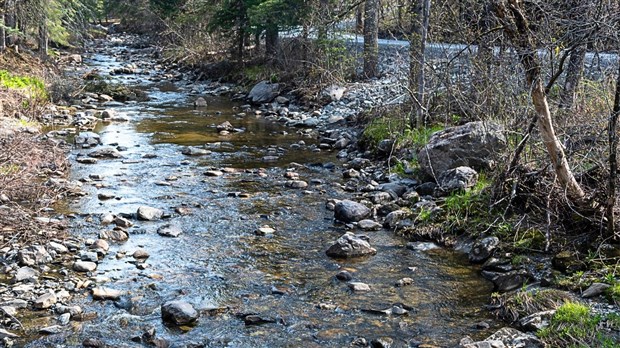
x: 33, y: 86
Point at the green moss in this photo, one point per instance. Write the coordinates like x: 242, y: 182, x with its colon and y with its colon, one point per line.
x: 32, y: 85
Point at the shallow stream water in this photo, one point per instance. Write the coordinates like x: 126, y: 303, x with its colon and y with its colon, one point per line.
x: 220, y: 266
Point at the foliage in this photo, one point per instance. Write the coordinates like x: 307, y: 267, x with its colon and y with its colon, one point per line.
x: 469, y: 208
x: 33, y: 86
x: 574, y: 325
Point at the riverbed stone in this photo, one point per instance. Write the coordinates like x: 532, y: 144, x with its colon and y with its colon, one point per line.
x: 33, y: 255
x: 474, y: 144
x: 179, y: 312
x: 115, y: 235
x: 200, y: 102
x: 368, y: 225
x: 149, y: 213
x: 457, y: 179
x: 87, y: 138
x: 170, y: 230
x: 508, y: 337
x: 141, y: 254
x: 483, y: 249
x: 358, y: 287
x: 350, y: 245
x: 84, y: 266
x: 26, y: 275
x: 296, y: 184
x: 264, y: 92
x: 106, y: 152
x: 195, y: 151
x: 595, y: 289
x: 122, y: 222
x: 103, y: 293
x: 349, y: 211
x: 45, y: 301
x: 57, y: 247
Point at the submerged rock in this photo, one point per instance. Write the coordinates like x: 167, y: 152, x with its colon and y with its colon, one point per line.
x: 351, y: 245
x: 508, y: 337
x: 178, y: 312
x: 170, y: 230
x: 103, y: 293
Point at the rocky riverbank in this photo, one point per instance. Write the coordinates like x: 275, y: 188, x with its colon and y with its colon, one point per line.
x: 136, y: 219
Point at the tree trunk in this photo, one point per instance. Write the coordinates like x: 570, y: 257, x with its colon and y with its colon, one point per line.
x: 271, y: 42
x: 417, y: 48
x: 10, y: 21
x: 613, y: 161
x: 324, y: 14
x: 574, y: 72
x: 359, y: 19
x: 517, y: 29
x: 43, y: 38
x: 2, y: 34
x: 371, y: 38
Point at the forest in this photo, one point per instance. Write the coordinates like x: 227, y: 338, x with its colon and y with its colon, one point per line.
x: 363, y: 173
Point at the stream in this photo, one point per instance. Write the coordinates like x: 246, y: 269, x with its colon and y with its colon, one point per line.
x: 218, y: 264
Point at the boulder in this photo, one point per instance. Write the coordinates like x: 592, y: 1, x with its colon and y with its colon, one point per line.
x: 84, y: 266
x: 178, y: 312
x: 457, y: 179
x: 349, y: 211
x: 45, y: 301
x: 474, y: 144
x: 149, y: 213
x: 264, y: 92
x: 26, y: 275
x: 351, y: 245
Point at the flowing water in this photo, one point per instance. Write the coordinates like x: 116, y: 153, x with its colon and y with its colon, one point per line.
x: 221, y: 267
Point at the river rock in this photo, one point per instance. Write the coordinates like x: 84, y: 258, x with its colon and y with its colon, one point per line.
x: 86, y: 160
x: 7, y: 334
x: 351, y: 245
x: 358, y: 287
x: 149, y: 213
x: 87, y: 138
x: 334, y: 92
x: 122, y: 222
x: 33, y: 255
x: 225, y: 126
x: 89, y: 256
x: 103, y: 293
x: 382, y: 342
x: 100, y: 244
x: 116, y: 235
x: 26, y: 275
x: 392, y: 219
x: 141, y: 254
x: 106, y: 152
x: 178, y: 312
x: 195, y: 151
x: 483, y: 249
x: 170, y: 230
x: 368, y: 225
x: 296, y: 184
x: 349, y: 211
x: 264, y: 92
x: 508, y: 337
x: 536, y: 321
x: 506, y: 281
x: 45, y: 301
x: 457, y: 179
x: 200, y: 102
x: 84, y: 266
x: 57, y: 247
x: 51, y: 330
x: 474, y: 144
x: 595, y: 289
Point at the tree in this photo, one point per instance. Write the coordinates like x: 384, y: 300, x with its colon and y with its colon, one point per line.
x: 371, y: 38
x: 417, y: 50
x: 517, y: 28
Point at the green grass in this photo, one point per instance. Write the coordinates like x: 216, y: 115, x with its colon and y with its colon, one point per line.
x: 468, y: 207
x: 32, y: 85
x: 613, y: 293
x: 574, y: 325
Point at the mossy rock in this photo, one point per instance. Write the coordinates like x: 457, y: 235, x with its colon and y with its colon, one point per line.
x: 567, y: 261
